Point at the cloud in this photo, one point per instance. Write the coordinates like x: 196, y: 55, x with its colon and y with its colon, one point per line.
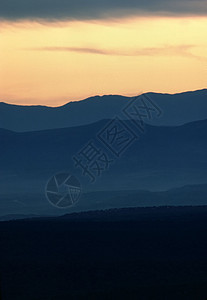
x: 52, y: 10
x: 74, y: 49
x: 180, y: 50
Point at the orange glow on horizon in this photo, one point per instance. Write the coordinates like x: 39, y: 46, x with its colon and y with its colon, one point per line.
x: 51, y: 64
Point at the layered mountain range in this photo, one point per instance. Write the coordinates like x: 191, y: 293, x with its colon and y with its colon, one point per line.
x: 176, y: 109
x: 166, y: 164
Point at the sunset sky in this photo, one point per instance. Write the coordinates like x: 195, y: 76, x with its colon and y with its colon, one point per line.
x: 53, y: 52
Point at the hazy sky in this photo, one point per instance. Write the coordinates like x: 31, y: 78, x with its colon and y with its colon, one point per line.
x: 61, y: 50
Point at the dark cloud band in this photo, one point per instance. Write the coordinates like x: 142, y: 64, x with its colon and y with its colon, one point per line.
x: 96, y: 9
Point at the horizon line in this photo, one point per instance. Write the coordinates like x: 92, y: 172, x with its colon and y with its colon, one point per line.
x: 100, y: 96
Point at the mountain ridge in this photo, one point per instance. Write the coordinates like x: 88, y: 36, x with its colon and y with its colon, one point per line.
x: 177, y: 109
x: 198, y: 123
x: 102, y: 96
x: 163, y: 158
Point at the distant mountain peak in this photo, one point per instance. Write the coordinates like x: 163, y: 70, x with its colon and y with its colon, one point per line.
x: 177, y: 109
